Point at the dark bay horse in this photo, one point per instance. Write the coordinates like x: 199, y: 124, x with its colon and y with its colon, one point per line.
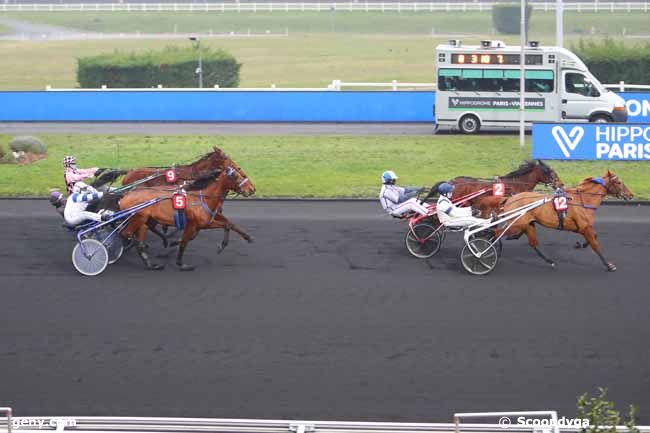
x: 205, y: 199
x: 525, y: 178
x: 583, y: 201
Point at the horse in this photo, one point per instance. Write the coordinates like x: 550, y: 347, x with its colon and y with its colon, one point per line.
x: 525, y: 178
x: 202, y: 210
x: 583, y: 201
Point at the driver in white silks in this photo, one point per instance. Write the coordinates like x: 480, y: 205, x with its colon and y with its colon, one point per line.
x: 398, y: 201
x: 81, y: 195
x: 454, y: 216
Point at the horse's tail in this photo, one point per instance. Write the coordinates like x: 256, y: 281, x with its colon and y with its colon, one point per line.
x: 434, y: 190
x: 107, y: 177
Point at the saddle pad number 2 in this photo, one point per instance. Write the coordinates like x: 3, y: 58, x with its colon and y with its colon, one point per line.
x: 498, y: 190
x: 170, y: 176
x: 179, y: 201
x: 560, y: 203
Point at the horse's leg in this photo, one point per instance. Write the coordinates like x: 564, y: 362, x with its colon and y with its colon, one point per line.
x: 153, y: 226
x: 141, y: 248
x: 590, y: 236
x: 189, y: 233
x: 234, y: 227
x: 531, y: 234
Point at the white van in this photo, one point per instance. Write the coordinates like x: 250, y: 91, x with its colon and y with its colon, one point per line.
x: 479, y: 86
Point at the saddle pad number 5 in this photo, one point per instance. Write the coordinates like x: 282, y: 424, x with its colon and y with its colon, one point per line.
x: 170, y: 176
x: 179, y: 201
x: 498, y: 190
x: 560, y: 204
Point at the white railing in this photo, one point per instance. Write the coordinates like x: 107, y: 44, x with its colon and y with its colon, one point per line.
x: 621, y: 86
x: 595, y: 6
x: 137, y: 424
x: 335, y: 85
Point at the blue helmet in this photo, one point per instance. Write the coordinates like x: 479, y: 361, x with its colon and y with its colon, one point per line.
x: 445, y: 188
x: 388, y: 176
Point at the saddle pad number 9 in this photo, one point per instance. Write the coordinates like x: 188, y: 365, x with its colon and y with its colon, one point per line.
x: 179, y: 201
x: 560, y: 203
x: 498, y: 190
x: 170, y: 176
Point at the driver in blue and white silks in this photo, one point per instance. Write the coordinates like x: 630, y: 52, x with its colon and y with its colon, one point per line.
x: 455, y: 216
x: 397, y: 200
x: 75, y: 207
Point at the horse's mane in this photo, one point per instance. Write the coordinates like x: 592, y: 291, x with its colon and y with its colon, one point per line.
x: 523, y: 169
x: 219, y: 153
x: 203, y: 181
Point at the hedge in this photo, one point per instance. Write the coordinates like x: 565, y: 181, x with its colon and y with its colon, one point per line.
x: 171, y: 67
x: 612, y: 62
x: 506, y: 18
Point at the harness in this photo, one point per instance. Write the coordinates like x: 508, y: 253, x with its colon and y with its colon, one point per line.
x: 213, y: 213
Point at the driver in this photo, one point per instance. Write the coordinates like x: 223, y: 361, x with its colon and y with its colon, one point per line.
x: 451, y: 215
x: 75, y: 207
x: 397, y: 200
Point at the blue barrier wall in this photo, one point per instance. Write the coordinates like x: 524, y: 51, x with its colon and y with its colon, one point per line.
x: 225, y: 106
x: 239, y: 106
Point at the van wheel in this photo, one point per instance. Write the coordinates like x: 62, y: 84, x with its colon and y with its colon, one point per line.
x: 600, y: 118
x: 469, y: 124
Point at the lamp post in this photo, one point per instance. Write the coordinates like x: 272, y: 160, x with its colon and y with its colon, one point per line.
x: 199, y: 70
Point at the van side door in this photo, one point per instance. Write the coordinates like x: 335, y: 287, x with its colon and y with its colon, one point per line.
x: 579, y: 96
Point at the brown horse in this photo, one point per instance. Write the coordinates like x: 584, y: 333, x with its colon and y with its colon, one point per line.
x: 583, y: 201
x: 525, y: 178
x: 205, y: 199
x: 217, y: 159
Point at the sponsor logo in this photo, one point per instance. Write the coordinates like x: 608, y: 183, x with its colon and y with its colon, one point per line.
x: 567, y: 142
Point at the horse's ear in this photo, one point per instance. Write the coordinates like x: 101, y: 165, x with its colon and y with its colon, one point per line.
x: 540, y: 162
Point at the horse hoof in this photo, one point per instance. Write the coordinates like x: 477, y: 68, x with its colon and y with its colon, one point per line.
x: 185, y: 268
x: 552, y: 264
x: 611, y: 267
x: 251, y: 240
x: 577, y: 246
x: 156, y: 267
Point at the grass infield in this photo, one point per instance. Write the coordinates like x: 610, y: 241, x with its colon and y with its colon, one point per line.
x: 301, y: 166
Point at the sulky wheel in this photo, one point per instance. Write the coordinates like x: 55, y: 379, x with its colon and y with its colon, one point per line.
x: 114, y: 245
x: 423, y: 241
x: 479, y: 265
x: 90, y: 257
x: 489, y: 235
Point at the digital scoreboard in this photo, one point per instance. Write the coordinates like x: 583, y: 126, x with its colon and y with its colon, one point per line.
x: 494, y: 59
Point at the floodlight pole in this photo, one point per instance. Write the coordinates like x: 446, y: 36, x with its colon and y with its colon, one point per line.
x: 522, y: 78
x: 200, y: 68
x: 559, y: 23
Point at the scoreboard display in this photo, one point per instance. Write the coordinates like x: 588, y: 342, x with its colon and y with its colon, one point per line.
x: 494, y: 59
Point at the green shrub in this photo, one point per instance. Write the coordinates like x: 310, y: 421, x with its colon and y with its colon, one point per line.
x: 506, y: 18
x: 171, y: 67
x: 612, y: 62
x: 602, y: 414
x: 28, y: 144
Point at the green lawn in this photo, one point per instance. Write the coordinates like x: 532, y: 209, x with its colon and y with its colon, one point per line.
x: 542, y: 24
x: 4, y: 30
x: 296, y: 166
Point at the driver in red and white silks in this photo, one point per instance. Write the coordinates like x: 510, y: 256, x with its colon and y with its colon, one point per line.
x: 451, y: 215
x: 397, y: 200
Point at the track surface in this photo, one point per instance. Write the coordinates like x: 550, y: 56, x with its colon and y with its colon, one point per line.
x: 326, y: 316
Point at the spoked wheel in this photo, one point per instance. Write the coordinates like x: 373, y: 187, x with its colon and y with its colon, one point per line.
x: 423, y: 241
x: 489, y: 235
x: 479, y: 265
x: 114, y: 245
x: 90, y: 260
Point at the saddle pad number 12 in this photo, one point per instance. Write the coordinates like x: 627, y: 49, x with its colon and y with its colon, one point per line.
x: 560, y: 203
x: 498, y: 190
x: 179, y: 201
x: 170, y: 176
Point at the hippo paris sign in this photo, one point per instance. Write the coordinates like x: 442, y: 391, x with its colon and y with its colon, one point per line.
x: 592, y: 141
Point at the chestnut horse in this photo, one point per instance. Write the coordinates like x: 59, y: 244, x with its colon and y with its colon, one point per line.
x: 583, y: 201
x: 217, y: 159
x: 205, y: 199
x: 524, y: 178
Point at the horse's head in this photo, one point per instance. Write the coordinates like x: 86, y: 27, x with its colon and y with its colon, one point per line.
x: 547, y: 175
x: 215, y: 160
x: 614, y: 186
x: 237, y: 180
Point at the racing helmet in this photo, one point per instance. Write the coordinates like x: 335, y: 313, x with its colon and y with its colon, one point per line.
x: 446, y: 189
x: 388, y: 177
x: 69, y: 161
x: 56, y: 198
